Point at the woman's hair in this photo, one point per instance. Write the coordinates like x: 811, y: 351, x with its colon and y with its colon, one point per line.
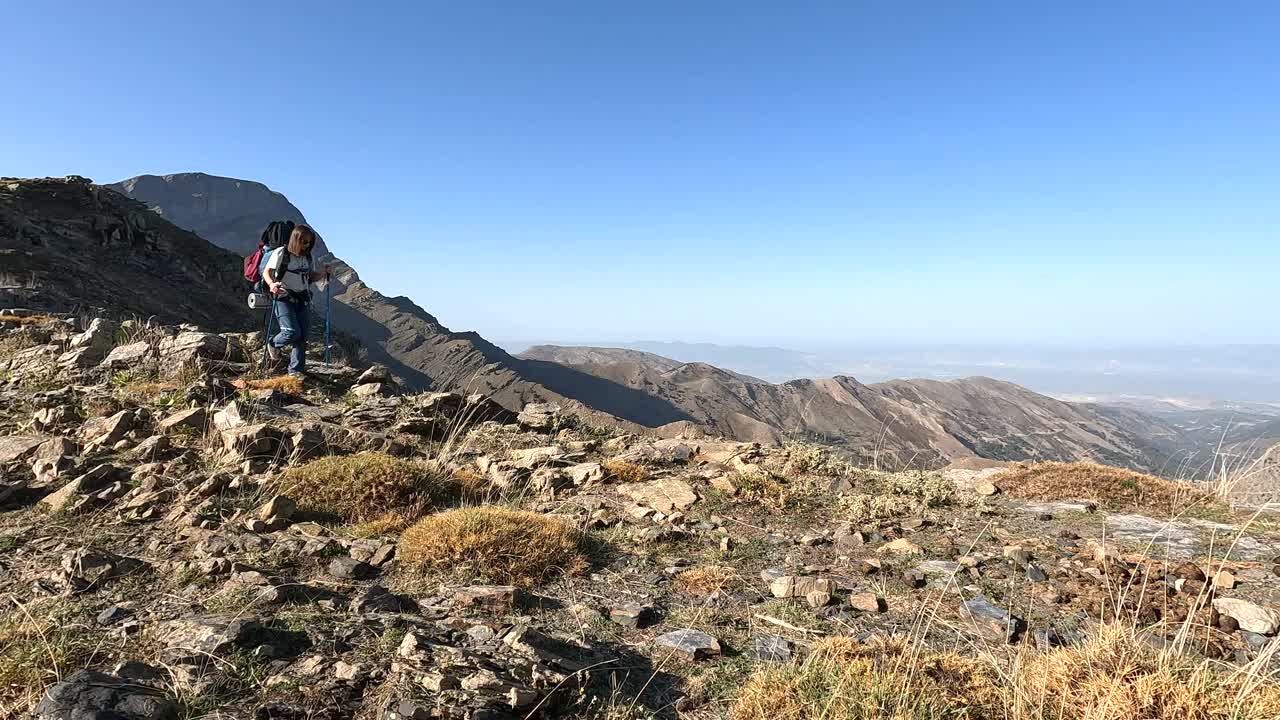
x: 301, y: 240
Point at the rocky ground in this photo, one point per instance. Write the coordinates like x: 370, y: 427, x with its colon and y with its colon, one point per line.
x: 180, y: 537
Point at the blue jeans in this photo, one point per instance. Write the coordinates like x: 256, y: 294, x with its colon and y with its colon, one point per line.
x: 292, y: 318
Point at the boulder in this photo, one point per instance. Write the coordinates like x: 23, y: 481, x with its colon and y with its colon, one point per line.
x: 1251, y: 617
x: 229, y: 417
x: 105, y: 432
x: 692, y: 644
x: 193, y: 345
x: 17, y: 447
x: 540, y: 417
x: 585, y: 474
x: 190, y: 419
x: 87, y: 694
x: 664, y: 495
x: 991, y: 621
x: 127, y: 356
x: 252, y: 441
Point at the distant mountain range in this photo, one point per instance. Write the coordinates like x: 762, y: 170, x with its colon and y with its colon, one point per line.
x: 901, y: 422
x: 87, y: 245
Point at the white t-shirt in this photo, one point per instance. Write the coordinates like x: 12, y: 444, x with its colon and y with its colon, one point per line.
x: 299, y: 272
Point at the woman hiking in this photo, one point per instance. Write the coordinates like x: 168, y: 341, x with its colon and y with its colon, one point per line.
x: 289, y: 276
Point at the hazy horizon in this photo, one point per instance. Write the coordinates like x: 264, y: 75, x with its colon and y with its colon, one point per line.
x: 1192, y: 373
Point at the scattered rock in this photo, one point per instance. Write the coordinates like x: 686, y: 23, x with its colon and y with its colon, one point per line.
x: 1251, y: 617
x: 90, y: 695
x: 664, y: 495
x: 771, y: 649
x: 866, y: 602
x: 692, y: 644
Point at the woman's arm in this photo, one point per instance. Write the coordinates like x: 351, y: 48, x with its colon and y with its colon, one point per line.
x: 318, y: 275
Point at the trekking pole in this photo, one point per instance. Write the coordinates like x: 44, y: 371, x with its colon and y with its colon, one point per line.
x: 266, y: 337
x: 328, y: 299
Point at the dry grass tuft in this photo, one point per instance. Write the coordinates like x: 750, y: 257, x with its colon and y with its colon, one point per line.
x: 290, y: 384
x: 844, y: 679
x: 390, y: 523
x: 703, y: 581
x: 471, y: 482
x: 365, y: 487
x: 626, y: 472
x: 1112, y: 488
x: 763, y: 489
x: 1116, y: 675
x: 38, y: 646
x: 28, y: 320
x: 494, y: 545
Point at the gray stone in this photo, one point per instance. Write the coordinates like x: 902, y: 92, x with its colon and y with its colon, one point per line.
x: 771, y: 649
x: 348, y: 568
x: 90, y: 695
x: 191, y: 419
x: 692, y: 644
x: 126, y: 356
x: 991, y: 621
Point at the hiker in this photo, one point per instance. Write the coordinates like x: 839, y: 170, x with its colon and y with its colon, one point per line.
x: 288, y: 275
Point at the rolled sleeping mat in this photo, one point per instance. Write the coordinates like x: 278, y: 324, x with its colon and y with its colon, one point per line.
x: 259, y: 301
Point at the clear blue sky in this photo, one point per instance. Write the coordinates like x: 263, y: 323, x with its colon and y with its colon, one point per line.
x: 788, y: 173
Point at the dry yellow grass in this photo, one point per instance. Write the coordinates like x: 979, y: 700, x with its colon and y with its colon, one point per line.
x: 1115, y: 675
x: 291, y: 384
x: 626, y: 472
x: 365, y: 487
x: 471, y: 483
x: 493, y: 545
x: 703, y: 581
x: 844, y: 679
x: 28, y: 320
x: 1111, y: 487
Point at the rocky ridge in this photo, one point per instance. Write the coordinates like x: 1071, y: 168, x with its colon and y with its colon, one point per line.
x: 918, y: 423
x: 148, y: 550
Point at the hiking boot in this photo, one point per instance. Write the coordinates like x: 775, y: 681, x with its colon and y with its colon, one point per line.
x: 275, y: 358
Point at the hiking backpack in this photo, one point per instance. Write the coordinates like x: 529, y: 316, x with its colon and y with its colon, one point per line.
x: 276, y: 235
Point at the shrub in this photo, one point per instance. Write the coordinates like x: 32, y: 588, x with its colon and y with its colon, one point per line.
x: 626, y: 472
x: 1116, y: 675
x: 887, y: 495
x: 365, y: 487
x: 494, y: 545
x: 1113, y: 488
x: 804, y: 459
x: 844, y: 679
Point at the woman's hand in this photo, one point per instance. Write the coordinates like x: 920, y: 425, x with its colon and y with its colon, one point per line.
x: 278, y: 290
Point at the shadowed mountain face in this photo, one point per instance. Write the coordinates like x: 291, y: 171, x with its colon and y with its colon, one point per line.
x: 227, y: 212
x: 397, y: 333
x: 69, y: 245
x: 905, y: 422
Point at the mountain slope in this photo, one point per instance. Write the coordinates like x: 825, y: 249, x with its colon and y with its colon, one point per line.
x: 397, y: 333
x: 69, y: 245
x: 924, y: 422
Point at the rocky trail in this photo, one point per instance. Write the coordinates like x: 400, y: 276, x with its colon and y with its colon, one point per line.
x: 181, y: 537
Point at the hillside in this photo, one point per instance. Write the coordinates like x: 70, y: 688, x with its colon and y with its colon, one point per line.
x: 181, y: 540
x: 397, y: 333
x: 915, y: 423
x: 69, y: 245
x: 919, y: 422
